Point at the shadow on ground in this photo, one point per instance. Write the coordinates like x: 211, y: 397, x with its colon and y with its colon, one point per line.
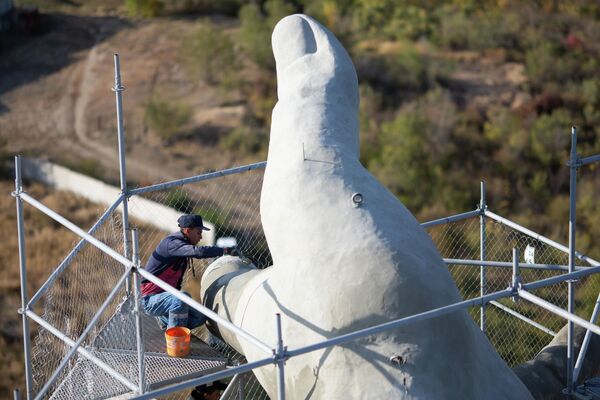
x: 27, y: 57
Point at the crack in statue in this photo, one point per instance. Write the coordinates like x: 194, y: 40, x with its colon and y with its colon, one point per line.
x: 342, y: 264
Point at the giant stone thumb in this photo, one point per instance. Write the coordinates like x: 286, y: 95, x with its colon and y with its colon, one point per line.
x: 339, y: 265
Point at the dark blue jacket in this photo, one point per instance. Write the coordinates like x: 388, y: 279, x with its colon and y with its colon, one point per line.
x: 170, y: 260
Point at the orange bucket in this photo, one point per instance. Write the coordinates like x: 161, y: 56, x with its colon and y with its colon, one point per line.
x: 178, y: 341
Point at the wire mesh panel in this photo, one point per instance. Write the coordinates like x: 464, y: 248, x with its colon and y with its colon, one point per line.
x: 516, y: 340
x: 230, y: 203
x: 72, y: 300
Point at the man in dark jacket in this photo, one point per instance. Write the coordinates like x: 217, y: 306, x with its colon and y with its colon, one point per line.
x: 169, y: 262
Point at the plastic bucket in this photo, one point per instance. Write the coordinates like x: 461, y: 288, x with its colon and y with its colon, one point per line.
x: 178, y: 341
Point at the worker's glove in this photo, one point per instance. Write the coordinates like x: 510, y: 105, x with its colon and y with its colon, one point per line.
x: 231, y: 251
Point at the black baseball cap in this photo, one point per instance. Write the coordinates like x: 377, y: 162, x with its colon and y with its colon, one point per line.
x: 191, y: 221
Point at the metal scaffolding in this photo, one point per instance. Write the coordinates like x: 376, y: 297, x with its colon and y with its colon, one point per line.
x: 139, y: 354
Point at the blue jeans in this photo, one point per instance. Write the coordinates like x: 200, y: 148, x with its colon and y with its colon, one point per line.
x: 172, y: 311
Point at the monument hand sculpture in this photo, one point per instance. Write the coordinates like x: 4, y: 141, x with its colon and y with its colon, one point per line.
x: 347, y: 255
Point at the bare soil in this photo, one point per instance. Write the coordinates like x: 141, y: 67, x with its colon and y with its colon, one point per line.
x: 56, y: 99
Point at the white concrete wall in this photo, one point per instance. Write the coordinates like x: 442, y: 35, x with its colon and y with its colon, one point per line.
x: 147, y: 211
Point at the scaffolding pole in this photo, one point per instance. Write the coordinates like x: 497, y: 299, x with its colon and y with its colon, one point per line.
x: 506, y: 264
x: 588, y: 333
x: 571, y: 282
x: 197, y: 178
x: 482, y: 268
x: 280, y: 359
x: 586, y: 342
x: 453, y: 218
x: 23, y: 277
x: 118, y: 88
x: 139, y: 335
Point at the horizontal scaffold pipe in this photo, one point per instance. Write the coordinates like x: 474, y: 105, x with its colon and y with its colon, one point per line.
x: 204, y: 310
x: 75, y: 229
x: 205, y: 379
x: 478, y: 301
x: 524, y: 294
x: 522, y: 318
x: 539, y: 237
x: 197, y: 178
x: 69, y: 258
x: 440, y: 311
x: 505, y: 264
x: 454, y: 218
x: 101, y: 364
x: 560, y: 278
x: 590, y: 159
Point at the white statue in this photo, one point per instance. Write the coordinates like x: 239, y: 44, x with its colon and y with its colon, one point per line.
x: 347, y: 255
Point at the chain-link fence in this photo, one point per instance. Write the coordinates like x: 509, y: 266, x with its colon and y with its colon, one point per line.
x: 231, y: 204
x: 515, y: 338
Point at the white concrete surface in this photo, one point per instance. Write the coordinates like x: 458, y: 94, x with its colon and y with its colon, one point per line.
x: 144, y: 210
x: 337, y: 267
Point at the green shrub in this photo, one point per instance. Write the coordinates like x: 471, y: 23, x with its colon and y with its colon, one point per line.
x: 404, y: 165
x: 87, y: 166
x: 255, y: 36
x: 179, y: 200
x: 550, y: 139
x: 144, y: 8
x: 245, y: 140
x: 229, y: 7
x: 256, y: 28
x: 166, y: 119
x: 210, y: 54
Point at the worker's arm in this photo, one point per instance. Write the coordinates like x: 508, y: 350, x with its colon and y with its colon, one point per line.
x: 180, y: 248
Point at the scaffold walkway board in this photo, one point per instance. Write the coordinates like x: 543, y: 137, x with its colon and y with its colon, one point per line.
x: 88, y: 381
x: 119, y: 334
x: 115, y: 344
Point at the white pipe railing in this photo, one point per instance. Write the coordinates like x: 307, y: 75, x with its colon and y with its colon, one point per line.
x: 506, y: 264
x: 197, y: 178
x: 522, y: 317
x: 453, y: 218
x: 586, y: 342
x: 524, y: 294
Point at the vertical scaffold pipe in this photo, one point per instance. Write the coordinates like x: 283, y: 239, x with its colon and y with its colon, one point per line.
x: 137, y: 312
x: 280, y: 361
x: 586, y: 342
x: 23, y: 277
x: 516, y: 275
x: 118, y: 88
x: 482, y: 269
x: 571, y: 283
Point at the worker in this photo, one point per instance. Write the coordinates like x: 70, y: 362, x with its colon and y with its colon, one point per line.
x: 209, y: 391
x: 169, y: 262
